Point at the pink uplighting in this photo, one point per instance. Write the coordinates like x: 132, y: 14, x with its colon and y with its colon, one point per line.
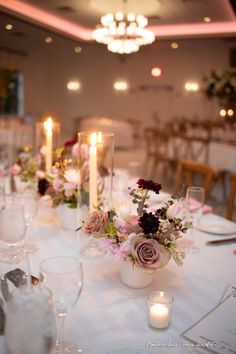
x: 78, y: 31
x: 48, y: 19
x: 198, y: 29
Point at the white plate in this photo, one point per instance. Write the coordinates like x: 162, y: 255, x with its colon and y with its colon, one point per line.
x: 217, y: 226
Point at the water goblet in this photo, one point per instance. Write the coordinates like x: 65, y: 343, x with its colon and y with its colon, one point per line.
x: 195, y: 197
x: 30, y: 202
x: 64, y: 277
x: 12, y: 231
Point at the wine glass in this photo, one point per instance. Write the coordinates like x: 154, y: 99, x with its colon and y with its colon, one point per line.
x: 30, y: 203
x: 195, y: 197
x: 64, y: 277
x: 12, y: 231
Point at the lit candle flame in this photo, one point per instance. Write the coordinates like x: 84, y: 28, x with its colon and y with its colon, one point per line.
x: 48, y: 125
x: 93, y: 139
x: 99, y: 137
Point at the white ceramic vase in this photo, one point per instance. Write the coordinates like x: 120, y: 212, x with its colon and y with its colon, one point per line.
x: 67, y: 217
x: 71, y: 218
x: 136, y: 277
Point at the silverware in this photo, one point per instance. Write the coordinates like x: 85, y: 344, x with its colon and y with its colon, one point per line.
x: 221, y: 241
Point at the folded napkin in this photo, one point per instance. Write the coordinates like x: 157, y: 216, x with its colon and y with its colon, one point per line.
x: 194, y: 205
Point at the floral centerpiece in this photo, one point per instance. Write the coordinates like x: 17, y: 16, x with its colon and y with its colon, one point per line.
x: 149, y: 238
x: 222, y: 85
x: 62, y: 184
x: 27, y: 166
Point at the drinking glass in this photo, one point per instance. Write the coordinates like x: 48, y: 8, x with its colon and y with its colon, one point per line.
x: 64, y: 277
x: 30, y: 203
x: 2, y: 197
x: 29, y: 322
x: 12, y: 231
x: 195, y: 197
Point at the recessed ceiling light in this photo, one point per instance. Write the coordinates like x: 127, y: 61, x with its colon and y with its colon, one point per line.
x: 156, y: 72
x: 48, y: 40
x: 174, y: 45
x: 207, y: 19
x: 9, y: 26
x: 78, y: 49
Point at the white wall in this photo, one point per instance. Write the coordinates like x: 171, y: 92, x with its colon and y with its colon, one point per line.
x: 47, y: 70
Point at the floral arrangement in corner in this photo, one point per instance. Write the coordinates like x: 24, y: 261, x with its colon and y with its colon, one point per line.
x: 222, y: 85
x: 148, y: 239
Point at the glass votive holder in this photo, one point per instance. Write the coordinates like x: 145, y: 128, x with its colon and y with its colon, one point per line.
x: 159, y: 309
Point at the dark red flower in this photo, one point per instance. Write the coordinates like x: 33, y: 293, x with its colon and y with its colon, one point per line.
x: 149, y: 223
x: 43, y: 185
x: 149, y: 185
x: 70, y: 142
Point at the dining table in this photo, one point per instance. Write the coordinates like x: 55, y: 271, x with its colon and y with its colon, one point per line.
x: 110, y: 317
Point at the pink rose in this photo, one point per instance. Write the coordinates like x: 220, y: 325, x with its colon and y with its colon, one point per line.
x: 75, y: 150
x: 148, y: 253
x: 57, y: 184
x: 43, y: 150
x: 69, y: 189
x: 131, y: 224
x: 95, y: 222
x: 84, y: 151
x: 15, y: 169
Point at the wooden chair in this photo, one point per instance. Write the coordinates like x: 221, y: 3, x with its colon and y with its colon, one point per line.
x: 156, y: 141
x: 232, y: 193
x: 188, y: 168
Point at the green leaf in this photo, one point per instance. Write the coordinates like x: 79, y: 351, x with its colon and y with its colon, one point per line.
x: 111, y: 215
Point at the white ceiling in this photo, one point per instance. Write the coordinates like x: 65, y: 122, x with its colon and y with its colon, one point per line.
x: 85, y: 15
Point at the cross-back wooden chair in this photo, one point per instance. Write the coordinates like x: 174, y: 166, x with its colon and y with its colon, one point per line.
x: 156, y: 141
x: 188, y: 168
x: 232, y: 193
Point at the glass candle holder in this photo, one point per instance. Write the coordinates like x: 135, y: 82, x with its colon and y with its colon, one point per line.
x: 95, y: 155
x: 159, y: 309
x: 96, y: 169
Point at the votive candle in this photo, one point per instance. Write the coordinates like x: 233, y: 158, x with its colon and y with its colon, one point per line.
x: 159, y: 310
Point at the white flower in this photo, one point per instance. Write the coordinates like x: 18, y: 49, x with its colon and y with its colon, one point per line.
x: 72, y: 176
x: 40, y: 174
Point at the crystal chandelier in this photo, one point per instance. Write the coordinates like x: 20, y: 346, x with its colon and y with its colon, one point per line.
x: 123, y: 33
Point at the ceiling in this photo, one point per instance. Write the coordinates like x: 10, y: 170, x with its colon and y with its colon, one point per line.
x: 167, y: 18
x: 71, y: 22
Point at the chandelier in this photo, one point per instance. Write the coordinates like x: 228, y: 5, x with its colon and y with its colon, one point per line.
x: 123, y: 33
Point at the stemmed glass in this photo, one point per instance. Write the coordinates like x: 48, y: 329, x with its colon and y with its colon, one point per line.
x: 195, y: 197
x: 12, y: 231
x: 64, y: 277
x: 30, y: 202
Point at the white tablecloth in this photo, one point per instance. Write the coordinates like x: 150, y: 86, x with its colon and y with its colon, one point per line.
x: 111, y: 318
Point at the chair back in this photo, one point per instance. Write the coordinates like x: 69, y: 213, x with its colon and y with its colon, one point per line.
x: 231, y: 203
x: 188, y: 168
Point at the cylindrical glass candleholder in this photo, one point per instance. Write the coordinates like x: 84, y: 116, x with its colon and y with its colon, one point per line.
x: 159, y: 309
x: 95, y: 151
x: 47, y: 139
